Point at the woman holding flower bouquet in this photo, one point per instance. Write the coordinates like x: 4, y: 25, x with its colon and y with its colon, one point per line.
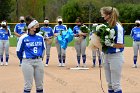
x: 47, y: 33
x: 114, y: 53
x: 80, y: 33
x: 57, y: 31
x: 95, y: 52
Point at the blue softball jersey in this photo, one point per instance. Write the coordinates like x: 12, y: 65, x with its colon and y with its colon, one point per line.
x: 19, y: 28
x: 4, y: 35
x: 135, y: 33
x: 47, y: 30
x: 119, y: 39
x: 76, y: 29
x: 30, y: 46
x: 59, y: 28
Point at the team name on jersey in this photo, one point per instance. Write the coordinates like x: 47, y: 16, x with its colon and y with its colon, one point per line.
x: 3, y: 32
x: 34, y: 44
x: 135, y: 32
x: 19, y: 27
x: 57, y: 28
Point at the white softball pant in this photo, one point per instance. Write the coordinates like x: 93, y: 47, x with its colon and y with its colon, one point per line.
x: 113, y: 68
x: 61, y: 52
x: 136, y: 48
x: 48, y: 48
x: 4, y: 46
x: 33, y: 69
x: 96, y: 52
x: 81, y: 47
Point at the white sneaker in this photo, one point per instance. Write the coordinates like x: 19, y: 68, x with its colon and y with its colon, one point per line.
x: 1, y: 64
x: 93, y: 65
x: 134, y: 66
x: 59, y: 65
x: 46, y: 65
x: 63, y: 64
x: 100, y: 66
x: 78, y: 65
x: 6, y: 64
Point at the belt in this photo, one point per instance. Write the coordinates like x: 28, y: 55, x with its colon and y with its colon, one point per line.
x: 137, y: 40
x: 34, y: 57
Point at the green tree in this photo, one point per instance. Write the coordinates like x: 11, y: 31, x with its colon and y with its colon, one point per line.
x: 88, y: 10
x: 5, y: 9
x: 128, y: 14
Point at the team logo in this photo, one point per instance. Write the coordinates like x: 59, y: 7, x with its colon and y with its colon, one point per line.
x: 26, y: 40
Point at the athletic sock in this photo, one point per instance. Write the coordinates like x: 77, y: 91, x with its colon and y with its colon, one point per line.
x: 135, y: 59
x: 7, y: 58
x: 47, y: 60
x: 39, y: 91
x: 1, y: 58
x: 59, y: 58
x: 99, y: 61
x: 110, y: 91
x: 84, y: 58
x: 94, y: 61
x: 63, y: 58
x: 78, y: 59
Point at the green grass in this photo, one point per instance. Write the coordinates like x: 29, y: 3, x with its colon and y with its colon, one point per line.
x: 13, y: 41
x: 128, y: 42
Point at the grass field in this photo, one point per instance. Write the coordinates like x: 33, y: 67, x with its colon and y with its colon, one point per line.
x: 128, y: 41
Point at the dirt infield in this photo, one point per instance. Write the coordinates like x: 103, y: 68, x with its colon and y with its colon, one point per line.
x: 64, y: 80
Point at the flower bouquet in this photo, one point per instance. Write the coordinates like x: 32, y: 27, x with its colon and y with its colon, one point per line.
x: 65, y: 37
x: 102, y: 38
x: 25, y: 29
x: 48, y: 39
x: 83, y: 30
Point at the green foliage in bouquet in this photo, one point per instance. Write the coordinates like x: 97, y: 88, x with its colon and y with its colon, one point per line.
x: 25, y: 28
x: 84, y: 29
x: 106, y: 34
x: 42, y: 32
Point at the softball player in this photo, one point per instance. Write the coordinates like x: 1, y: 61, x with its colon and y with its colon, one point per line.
x: 48, y: 35
x: 4, y: 42
x: 80, y: 43
x: 19, y: 29
x: 135, y: 34
x: 95, y: 52
x: 57, y: 30
x: 30, y: 49
x: 114, y: 56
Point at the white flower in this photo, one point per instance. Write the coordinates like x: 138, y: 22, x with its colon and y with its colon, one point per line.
x: 106, y: 37
x: 108, y: 29
x: 99, y: 26
x: 112, y: 33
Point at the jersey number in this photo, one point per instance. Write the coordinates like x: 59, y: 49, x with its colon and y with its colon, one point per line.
x: 35, y: 49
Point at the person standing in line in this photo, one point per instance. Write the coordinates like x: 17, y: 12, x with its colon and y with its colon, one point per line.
x: 4, y: 42
x: 19, y: 29
x: 57, y: 31
x: 30, y: 49
x: 47, y: 33
x: 95, y: 52
x: 114, y: 55
x: 80, y: 42
x: 135, y: 34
